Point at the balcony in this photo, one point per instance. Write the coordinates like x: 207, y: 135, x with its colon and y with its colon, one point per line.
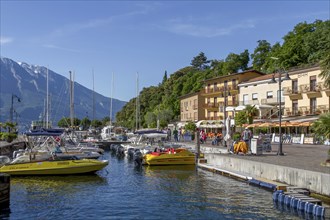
x: 312, y: 91
x: 249, y: 102
x: 272, y: 101
x: 292, y: 93
x: 214, y: 118
x: 306, y: 110
x: 232, y: 103
x: 211, y: 106
x: 211, y: 91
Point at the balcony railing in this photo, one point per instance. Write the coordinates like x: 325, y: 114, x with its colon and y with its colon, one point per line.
x: 274, y: 100
x: 211, y: 105
x: 214, y: 118
x: 249, y: 102
x: 232, y: 103
x: 306, y: 110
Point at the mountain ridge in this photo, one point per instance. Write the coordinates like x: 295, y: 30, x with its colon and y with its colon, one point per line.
x: 20, y: 81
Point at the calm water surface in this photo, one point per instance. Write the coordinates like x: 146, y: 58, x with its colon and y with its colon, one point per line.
x: 121, y: 191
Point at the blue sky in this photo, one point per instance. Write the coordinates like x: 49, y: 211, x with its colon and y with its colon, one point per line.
x: 148, y: 37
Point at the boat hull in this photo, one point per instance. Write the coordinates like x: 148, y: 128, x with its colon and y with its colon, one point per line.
x: 165, y: 159
x: 65, y: 167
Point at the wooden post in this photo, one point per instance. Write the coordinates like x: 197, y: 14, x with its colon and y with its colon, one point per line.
x: 4, y: 191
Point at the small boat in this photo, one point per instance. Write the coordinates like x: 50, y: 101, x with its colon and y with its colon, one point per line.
x: 53, y: 166
x: 172, y: 156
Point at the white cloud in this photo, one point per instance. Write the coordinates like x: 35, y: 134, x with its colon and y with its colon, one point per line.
x: 51, y: 46
x: 206, y: 29
x: 5, y: 40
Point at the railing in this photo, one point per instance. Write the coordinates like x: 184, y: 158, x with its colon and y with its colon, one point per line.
x: 306, y: 110
x: 274, y: 100
x: 291, y: 91
x: 232, y: 103
x: 306, y: 88
x: 211, y: 105
x: 214, y: 118
x: 249, y: 102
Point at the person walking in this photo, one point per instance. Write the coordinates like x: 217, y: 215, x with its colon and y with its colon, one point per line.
x: 246, y: 136
x: 175, y: 135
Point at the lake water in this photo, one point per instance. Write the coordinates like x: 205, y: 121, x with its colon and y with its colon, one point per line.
x: 122, y: 191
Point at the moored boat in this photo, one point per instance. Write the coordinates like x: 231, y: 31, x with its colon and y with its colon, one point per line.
x: 172, y: 156
x: 53, y: 166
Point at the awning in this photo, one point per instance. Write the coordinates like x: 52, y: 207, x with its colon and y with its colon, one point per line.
x: 230, y: 109
x: 210, y: 124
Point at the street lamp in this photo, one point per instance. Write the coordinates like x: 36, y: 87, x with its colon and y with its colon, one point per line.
x: 12, y: 106
x: 273, y: 80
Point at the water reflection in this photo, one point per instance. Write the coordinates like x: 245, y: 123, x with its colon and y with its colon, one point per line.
x: 123, y: 191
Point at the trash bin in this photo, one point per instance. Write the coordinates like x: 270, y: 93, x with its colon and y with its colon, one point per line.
x: 255, y: 147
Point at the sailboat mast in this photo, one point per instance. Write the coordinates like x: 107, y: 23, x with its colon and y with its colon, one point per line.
x: 71, y: 98
x: 93, y: 96
x: 47, y: 100
x: 112, y: 82
x: 137, y: 103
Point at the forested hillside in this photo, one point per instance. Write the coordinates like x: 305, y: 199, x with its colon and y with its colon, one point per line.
x: 305, y: 45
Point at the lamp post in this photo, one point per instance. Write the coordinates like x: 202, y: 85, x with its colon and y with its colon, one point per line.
x: 12, y: 106
x: 273, y: 80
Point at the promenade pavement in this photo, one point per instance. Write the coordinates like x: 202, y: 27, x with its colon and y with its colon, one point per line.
x: 307, y: 157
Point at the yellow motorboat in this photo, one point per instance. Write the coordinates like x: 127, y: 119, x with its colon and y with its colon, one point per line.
x: 54, y: 167
x: 172, y: 156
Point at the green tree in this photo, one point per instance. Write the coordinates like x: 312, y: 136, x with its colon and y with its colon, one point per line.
x: 65, y: 122
x: 96, y: 123
x: 250, y: 112
x: 151, y: 119
x: 200, y: 62
x: 321, y: 127
x: 190, y: 126
x: 85, y: 123
x: 260, y: 54
x: 164, y: 117
x: 325, y: 73
x: 235, y: 62
x: 106, y: 121
x: 164, y: 77
x: 240, y: 118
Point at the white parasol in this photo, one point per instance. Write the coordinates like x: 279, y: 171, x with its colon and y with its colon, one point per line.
x: 227, y: 137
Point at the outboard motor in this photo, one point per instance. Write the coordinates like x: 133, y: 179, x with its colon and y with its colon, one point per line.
x: 138, y: 157
x: 130, y: 153
x: 120, y: 151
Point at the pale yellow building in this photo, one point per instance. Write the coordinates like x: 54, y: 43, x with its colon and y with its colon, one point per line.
x: 262, y: 94
x: 305, y: 94
x: 191, y: 107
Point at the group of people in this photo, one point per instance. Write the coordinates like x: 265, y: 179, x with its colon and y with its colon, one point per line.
x: 178, y: 135
x: 244, y: 144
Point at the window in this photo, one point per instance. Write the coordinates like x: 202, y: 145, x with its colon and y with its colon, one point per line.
x: 295, y: 107
x: 245, y: 99
x: 295, y: 86
x: 312, y: 83
x: 269, y: 94
x: 313, y: 105
x: 195, y: 116
x: 254, y: 96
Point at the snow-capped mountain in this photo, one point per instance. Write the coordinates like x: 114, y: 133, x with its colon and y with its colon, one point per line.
x: 24, y: 85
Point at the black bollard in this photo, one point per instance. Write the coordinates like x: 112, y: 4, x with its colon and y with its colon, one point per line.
x: 4, y: 191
